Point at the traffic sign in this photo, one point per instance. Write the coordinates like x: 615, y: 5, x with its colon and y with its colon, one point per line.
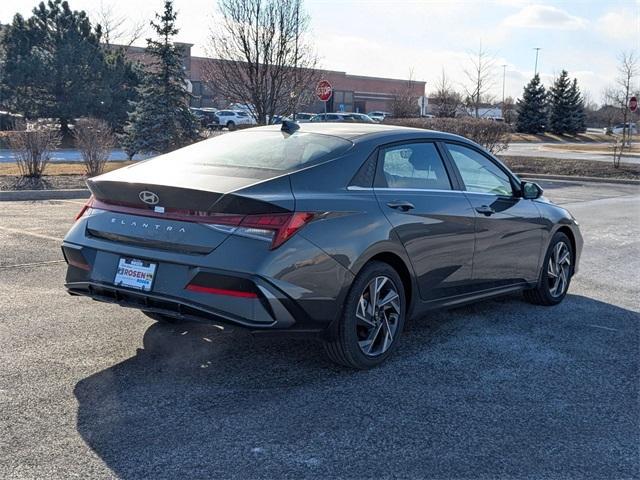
x: 633, y: 104
x: 324, y: 90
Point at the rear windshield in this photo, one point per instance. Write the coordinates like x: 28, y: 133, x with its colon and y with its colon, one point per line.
x: 262, y: 150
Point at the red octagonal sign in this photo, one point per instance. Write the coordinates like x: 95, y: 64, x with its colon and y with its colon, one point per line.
x: 633, y: 104
x: 324, y: 90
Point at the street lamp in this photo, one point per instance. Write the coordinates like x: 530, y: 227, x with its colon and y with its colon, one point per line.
x: 504, y: 73
x: 535, y: 70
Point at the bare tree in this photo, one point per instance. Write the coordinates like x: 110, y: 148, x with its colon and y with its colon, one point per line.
x: 619, y: 95
x: 479, y: 79
x: 262, y: 56
x: 405, y: 100
x: 117, y: 28
x: 446, y: 99
x: 95, y: 140
x: 33, y: 148
x: 509, y: 110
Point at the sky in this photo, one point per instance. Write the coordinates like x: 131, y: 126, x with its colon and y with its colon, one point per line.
x: 393, y: 38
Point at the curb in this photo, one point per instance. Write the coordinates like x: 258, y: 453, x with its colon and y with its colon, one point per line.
x: 540, y: 176
x: 21, y: 195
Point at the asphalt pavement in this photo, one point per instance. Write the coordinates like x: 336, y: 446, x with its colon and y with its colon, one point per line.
x: 501, y: 389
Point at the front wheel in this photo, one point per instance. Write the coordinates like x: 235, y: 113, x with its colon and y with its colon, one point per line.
x: 557, y: 270
x: 372, y: 318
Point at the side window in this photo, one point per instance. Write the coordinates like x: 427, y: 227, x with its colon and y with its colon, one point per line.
x: 414, y: 165
x: 480, y: 174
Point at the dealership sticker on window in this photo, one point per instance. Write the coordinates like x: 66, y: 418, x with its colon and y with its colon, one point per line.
x: 134, y: 273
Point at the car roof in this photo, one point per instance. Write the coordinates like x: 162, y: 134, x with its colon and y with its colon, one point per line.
x: 369, y: 131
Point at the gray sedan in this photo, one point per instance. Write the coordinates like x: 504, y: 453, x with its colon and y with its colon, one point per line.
x: 342, y: 231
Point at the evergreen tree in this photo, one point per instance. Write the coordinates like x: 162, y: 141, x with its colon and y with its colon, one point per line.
x: 532, y: 108
x: 120, y: 88
x: 561, y: 110
x: 578, y: 115
x: 54, y: 67
x: 162, y: 121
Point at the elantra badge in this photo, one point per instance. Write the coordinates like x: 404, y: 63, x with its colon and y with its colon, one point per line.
x: 148, y: 197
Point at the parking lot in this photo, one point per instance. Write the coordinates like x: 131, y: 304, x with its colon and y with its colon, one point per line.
x: 498, y: 389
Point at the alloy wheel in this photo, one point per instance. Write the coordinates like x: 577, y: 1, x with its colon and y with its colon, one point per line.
x: 378, y: 315
x: 559, y: 269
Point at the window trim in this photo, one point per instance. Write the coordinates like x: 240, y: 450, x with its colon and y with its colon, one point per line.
x: 515, y: 184
x: 377, y: 181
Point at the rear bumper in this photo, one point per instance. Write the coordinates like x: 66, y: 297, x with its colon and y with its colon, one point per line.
x: 274, y: 314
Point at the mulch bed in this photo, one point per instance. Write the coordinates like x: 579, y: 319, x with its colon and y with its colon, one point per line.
x: 548, y: 166
x: 47, y: 182
x: 572, y: 168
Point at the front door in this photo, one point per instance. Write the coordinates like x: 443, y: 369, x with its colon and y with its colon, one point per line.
x: 508, y: 227
x: 434, y: 222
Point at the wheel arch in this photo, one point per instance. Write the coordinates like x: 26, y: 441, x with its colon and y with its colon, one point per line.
x: 570, y: 235
x: 400, y: 266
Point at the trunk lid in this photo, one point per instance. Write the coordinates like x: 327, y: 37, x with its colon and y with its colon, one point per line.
x: 180, y: 209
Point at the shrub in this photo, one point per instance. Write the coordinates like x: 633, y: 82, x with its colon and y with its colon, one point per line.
x: 494, y: 136
x: 95, y: 140
x: 33, y: 147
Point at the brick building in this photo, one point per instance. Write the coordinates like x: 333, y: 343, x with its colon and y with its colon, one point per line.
x: 351, y: 93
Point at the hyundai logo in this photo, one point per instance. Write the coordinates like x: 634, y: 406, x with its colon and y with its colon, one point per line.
x: 149, y: 197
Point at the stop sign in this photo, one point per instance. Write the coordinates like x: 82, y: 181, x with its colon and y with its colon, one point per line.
x: 633, y: 104
x: 324, y: 90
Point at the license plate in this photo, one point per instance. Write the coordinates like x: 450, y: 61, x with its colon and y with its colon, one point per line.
x: 134, y: 273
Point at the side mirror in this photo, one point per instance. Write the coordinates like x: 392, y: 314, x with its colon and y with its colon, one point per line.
x: 531, y: 190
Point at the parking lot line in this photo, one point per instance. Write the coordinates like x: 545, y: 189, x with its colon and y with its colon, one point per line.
x: 32, y: 264
x: 33, y: 234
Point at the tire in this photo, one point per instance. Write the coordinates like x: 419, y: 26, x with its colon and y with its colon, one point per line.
x: 380, y: 333
x: 231, y: 125
x: 548, y: 292
x: 158, y: 317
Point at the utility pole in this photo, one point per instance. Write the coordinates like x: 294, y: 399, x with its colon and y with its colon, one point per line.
x: 504, y: 73
x: 535, y: 70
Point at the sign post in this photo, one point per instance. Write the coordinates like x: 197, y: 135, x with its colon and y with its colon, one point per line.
x: 633, y: 107
x: 324, y: 92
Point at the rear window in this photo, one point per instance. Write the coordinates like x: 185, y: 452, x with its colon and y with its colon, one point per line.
x: 262, y: 150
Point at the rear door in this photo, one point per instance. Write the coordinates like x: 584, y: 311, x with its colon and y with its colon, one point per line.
x: 508, y: 227
x: 434, y: 222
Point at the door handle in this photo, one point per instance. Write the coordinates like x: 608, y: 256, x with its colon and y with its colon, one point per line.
x: 400, y: 205
x: 485, y: 210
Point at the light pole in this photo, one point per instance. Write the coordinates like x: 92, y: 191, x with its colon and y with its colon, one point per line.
x: 504, y: 74
x: 535, y: 70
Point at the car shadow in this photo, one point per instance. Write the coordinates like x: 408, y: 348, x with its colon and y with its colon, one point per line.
x: 500, y: 388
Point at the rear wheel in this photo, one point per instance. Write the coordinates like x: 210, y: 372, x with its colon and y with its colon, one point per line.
x: 158, y: 317
x: 372, y: 319
x: 557, y: 270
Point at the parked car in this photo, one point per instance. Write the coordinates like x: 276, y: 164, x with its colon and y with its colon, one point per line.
x: 618, y: 129
x: 342, y: 117
x: 342, y: 231
x: 232, y: 118
x: 206, y: 116
x: 360, y: 117
x: 329, y: 117
x: 302, y: 117
x: 379, y: 116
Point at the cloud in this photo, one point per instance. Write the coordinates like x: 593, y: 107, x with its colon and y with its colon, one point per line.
x: 620, y: 25
x: 544, y: 16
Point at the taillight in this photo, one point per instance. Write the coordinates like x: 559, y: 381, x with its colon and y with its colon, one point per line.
x: 278, y: 227
x: 84, y: 209
x: 274, y: 227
